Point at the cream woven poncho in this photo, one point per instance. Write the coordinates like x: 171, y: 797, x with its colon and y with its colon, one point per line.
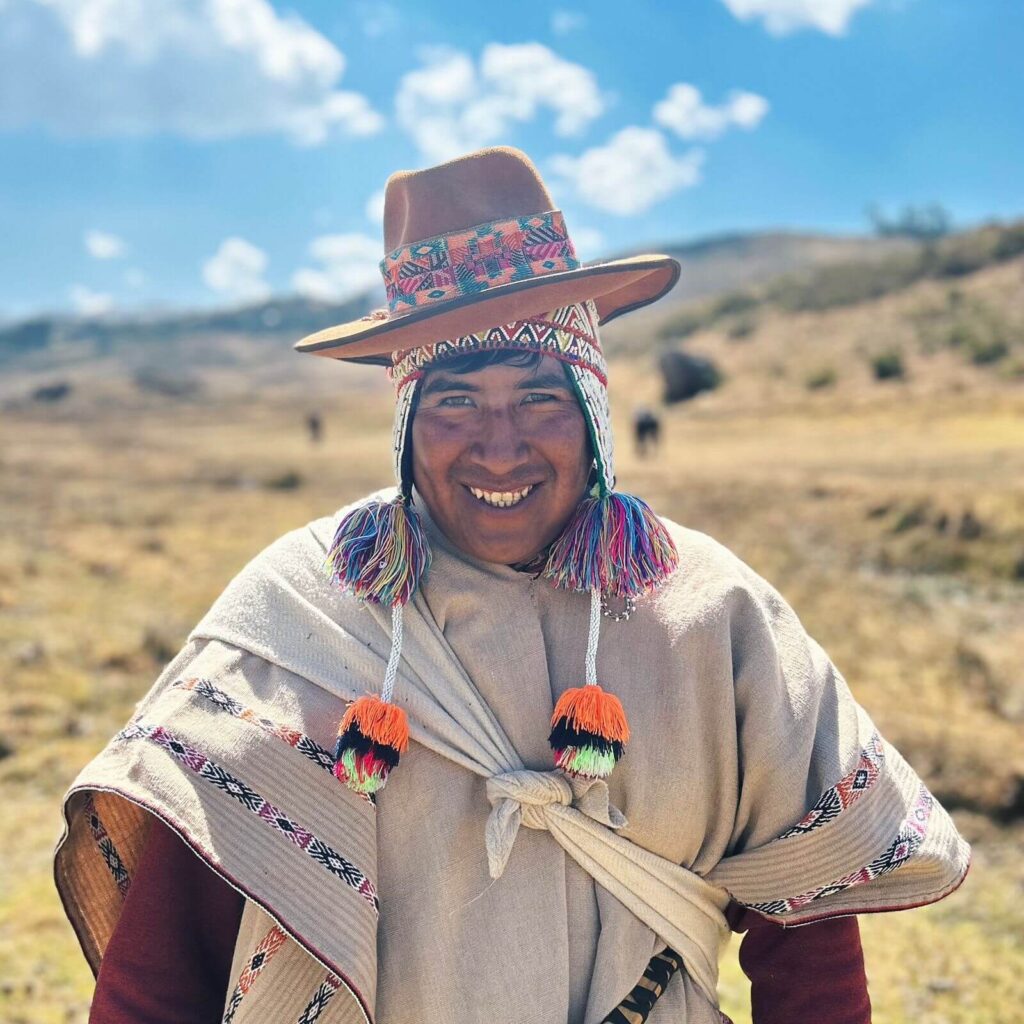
x: 482, y: 886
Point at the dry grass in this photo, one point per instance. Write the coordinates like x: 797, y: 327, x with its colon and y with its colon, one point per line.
x: 121, y: 523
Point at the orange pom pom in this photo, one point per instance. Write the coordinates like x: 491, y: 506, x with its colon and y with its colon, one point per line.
x: 378, y: 721
x: 590, y: 709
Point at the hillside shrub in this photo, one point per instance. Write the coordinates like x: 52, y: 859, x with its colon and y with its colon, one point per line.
x: 980, y: 333
x: 1010, y: 243
x: 685, y: 375
x: 888, y: 365
x: 742, y: 328
x: 289, y: 480
x: 846, y: 284
x: 733, y: 303
x: 169, y: 383
x: 682, y: 325
x: 824, y: 377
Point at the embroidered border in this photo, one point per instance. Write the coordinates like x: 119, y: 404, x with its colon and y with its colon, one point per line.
x: 323, y: 995
x: 846, y: 792
x: 260, y: 957
x: 198, y: 763
x: 320, y: 756
x: 467, y: 262
x: 309, y: 748
x: 107, y: 848
x: 906, y: 843
x: 568, y: 334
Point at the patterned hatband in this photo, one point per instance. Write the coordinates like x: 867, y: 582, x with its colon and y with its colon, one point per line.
x: 568, y: 334
x: 468, y: 262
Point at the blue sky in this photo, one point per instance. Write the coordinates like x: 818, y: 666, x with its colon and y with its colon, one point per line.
x: 209, y: 152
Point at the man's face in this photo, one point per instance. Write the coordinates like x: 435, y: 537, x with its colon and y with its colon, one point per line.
x: 480, y: 439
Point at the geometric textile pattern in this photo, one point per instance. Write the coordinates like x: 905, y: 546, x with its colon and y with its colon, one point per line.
x: 470, y: 261
x: 210, y: 771
x: 261, y: 956
x: 637, y: 1006
x: 908, y: 838
x: 593, y: 398
x: 107, y: 849
x: 568, y: 334
x: 323, y: 995
x: 320, y: 756
x: 845, y: 792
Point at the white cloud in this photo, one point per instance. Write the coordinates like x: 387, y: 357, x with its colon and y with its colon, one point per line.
x: 781, y: 17
x: 102, y: 245
x: 349, y: 264
x: 564, y: 22
x: 685, y: 112
x: 451, y: 105
x: 202, y: 69
x: 86, y: 302
x: 375, y: 208
x: 236, y: 270
x: 631, y: 172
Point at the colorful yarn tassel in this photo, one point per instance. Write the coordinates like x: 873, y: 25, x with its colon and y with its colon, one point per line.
x: 379, y: 552
x: 371, y: 737
x: 589, y: 732
x: 615, y: 544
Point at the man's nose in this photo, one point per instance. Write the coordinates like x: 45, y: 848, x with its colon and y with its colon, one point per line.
x: 500, y: 445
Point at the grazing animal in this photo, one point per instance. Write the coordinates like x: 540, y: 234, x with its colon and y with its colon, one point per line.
x: 646, y: 431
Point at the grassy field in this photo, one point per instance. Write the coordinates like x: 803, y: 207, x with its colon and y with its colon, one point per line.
x: 891, y: 517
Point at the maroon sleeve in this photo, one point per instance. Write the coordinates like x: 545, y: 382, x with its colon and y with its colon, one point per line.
x: 814, y: 972
x: 169, y: 959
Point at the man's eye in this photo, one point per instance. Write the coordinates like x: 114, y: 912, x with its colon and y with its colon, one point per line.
x: 456, y: 401
x: 539, y: 396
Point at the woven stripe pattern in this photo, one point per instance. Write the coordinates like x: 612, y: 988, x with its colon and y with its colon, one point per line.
x: 470, y: 261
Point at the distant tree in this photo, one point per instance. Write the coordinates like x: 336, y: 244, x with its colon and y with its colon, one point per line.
x: 923, y: 223
x: 888, y: 365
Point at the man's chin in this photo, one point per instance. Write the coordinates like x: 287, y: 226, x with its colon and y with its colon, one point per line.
x: 503, y: 550
x: 505, y: 554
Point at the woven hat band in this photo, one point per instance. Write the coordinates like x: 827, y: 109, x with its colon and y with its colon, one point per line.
x: 469, y: 261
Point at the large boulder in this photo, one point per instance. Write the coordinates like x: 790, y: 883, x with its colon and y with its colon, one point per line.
x: 685, y: 375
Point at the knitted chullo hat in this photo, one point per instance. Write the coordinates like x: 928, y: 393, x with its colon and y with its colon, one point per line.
x: 613, y: 545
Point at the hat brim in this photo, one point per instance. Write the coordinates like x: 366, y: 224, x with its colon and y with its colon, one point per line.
x: 616, y: 287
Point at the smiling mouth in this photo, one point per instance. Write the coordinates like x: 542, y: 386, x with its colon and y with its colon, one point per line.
x: 501, y: 499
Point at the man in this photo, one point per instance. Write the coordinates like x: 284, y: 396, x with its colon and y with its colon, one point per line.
x: 526, y: 815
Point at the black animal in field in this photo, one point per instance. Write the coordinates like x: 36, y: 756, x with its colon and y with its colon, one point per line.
x: 646, y: 432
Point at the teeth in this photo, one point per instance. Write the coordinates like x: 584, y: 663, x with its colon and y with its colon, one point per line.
x: 501, y: 499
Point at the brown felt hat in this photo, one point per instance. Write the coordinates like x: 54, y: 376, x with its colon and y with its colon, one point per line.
x: 477, y: 243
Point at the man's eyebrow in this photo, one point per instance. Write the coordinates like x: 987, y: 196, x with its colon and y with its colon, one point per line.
x: 440, y: 382
x: 545, y: 381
